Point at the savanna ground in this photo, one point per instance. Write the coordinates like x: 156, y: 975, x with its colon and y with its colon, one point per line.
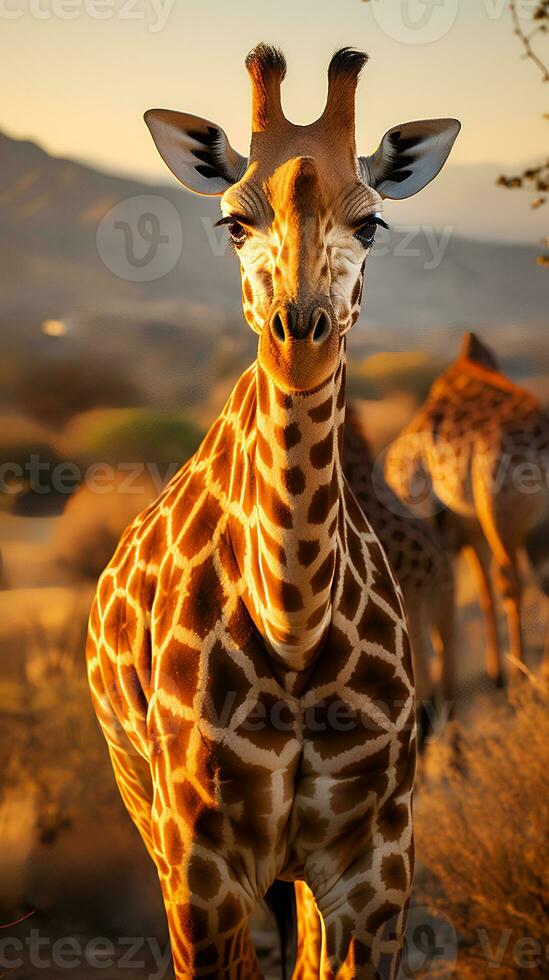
x: 72, y: 867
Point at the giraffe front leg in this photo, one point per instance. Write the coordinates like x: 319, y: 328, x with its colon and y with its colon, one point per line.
x: 207, y: 905
x: 364, y: 919
x: 207, y: 913
x: 317, y: 956
x: 364, y: 908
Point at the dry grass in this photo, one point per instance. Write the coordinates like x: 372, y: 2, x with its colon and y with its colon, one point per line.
x: 68, y: 850
x: 50, y: 741
x: 483, y: 834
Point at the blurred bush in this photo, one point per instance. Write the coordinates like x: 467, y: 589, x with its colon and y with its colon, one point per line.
x: 131, y: 435
x: 53, y: 391
x: 384, y: 374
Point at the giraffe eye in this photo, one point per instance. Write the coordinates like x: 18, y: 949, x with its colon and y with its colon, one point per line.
x: 367, y: 232
x: 237, y: 230
x: 238, y: 233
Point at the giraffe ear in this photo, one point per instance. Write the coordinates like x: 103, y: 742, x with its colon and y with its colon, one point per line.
x: 409, y: 157
x: 197, y: 151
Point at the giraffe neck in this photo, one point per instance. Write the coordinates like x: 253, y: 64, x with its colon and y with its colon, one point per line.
x: 298, y: 479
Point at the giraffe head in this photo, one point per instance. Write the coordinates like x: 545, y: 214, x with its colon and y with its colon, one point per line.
x: 302, y: 210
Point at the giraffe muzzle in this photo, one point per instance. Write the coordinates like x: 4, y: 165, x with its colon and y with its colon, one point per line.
x: 299, y: 348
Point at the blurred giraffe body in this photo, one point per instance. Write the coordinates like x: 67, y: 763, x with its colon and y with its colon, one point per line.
x: 482, y: 443
x: 248, y: 652
x: 417, y: 555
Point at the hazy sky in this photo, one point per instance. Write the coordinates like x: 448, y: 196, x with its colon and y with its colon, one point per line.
x: 76, y: 75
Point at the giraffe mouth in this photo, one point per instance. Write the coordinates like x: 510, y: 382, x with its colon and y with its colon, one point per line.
x: 301, y: 365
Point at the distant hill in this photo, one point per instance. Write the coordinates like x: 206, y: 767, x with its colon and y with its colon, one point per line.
x: 50, y: 210
x: 185, y: 329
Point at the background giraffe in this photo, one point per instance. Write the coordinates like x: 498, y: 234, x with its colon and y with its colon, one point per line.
x: 248, y: 654
x: 483, y: 443
x: 417, y: 555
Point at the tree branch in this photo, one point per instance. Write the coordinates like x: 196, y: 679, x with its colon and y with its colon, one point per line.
x: 541, y: 14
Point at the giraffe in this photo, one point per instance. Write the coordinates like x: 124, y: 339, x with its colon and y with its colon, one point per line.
x: 419, y: 559
x: 248, y: 655
x: 483, y: 443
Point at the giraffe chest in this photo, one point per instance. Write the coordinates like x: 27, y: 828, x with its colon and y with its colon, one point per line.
x: 285, y: 772
x: 293, y: 777
x: 273, y: 771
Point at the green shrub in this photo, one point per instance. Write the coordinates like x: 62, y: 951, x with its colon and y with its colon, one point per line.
x: 132, y: 435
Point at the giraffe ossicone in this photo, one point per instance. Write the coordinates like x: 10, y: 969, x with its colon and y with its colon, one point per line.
x: 255, y: 580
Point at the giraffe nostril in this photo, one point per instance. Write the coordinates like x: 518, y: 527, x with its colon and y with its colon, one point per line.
x: 277, y: 328
x: 322, y: 327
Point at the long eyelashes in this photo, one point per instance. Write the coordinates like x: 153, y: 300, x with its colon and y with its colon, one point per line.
x: 366, y: 232
x: 238, y: 233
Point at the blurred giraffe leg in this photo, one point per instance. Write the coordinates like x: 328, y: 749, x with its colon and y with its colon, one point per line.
x: 479, y: 564
x: 510, y: 588
x: 503, y: 538
x: 512, y: 606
